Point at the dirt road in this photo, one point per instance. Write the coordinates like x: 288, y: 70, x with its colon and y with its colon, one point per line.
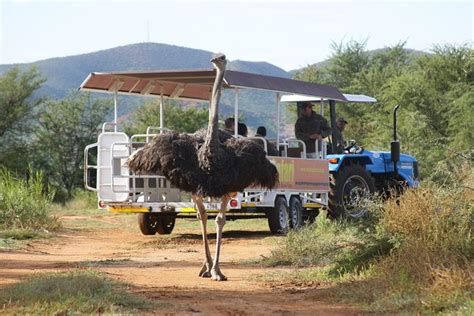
x: 165, y: 268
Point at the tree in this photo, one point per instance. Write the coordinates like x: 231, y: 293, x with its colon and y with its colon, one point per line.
x: 17, y: 113
x: 65, y: 127
x: 16, y: 101
x: 176, y: 118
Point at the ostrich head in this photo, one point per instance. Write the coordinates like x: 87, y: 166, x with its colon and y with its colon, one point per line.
x: 219, y: 61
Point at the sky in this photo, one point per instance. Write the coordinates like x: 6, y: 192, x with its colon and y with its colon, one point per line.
x: 289, y: 34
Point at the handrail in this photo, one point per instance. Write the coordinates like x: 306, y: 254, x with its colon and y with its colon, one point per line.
x: 142, y: 135
x: 292, y: 139
x: 87, y: 167
x: 160, y: 129
x: 263, y: 140
x: 106, y: 124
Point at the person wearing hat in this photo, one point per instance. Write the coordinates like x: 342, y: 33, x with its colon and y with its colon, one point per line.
x: 338, y: 137
x: 310, y: 127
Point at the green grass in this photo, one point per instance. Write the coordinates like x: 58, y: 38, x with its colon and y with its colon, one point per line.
x: 25, y: 203
x: 415, y: 255
x: 81, y: 291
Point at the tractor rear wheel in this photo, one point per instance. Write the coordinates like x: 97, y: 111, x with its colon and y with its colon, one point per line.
x: 351, y: 187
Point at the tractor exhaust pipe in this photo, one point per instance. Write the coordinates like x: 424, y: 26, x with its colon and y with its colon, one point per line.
x: 395, y: 144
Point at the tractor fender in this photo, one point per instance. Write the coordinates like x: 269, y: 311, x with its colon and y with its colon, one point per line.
x: 343, y: 160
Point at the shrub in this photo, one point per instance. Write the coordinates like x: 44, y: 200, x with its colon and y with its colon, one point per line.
x: 416, y: 251
x: 25, y: 204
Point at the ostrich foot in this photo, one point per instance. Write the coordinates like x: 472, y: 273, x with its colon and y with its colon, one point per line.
x: 205, y: 271
x: 217, y: 275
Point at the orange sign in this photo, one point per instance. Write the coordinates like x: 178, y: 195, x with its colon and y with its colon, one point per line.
x: 302, y: 174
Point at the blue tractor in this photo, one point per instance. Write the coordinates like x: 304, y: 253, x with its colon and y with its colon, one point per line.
x: 357, y: 172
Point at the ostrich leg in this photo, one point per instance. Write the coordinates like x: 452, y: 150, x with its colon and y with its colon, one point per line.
x: 216, y: 273
x: 202, y: 215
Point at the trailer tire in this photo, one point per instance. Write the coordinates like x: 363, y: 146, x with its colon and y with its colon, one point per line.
x: 296, y: 213
x: 165, y: 224
x: 278, y: 217
x: 349, y: 186
x: 148, y: 223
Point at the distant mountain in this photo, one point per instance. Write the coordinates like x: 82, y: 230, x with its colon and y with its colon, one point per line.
x: 64, y: 74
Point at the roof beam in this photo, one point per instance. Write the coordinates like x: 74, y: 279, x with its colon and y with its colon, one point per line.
x: 178, y: 90
x: 116, y: 85
x: 149, y: 87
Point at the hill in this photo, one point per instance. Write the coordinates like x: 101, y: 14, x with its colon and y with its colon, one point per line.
x: 64, y: 74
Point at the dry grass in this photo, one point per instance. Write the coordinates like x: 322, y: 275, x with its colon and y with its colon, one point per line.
x: 416, y: 256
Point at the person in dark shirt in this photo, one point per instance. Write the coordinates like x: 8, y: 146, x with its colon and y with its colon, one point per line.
x: 262, y: 132
x: 338, y: 136
x: 310, y: 127
x: 229, y: 125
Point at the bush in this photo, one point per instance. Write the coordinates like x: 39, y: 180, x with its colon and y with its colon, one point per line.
x: 416, y: 252
x: 25, y: 204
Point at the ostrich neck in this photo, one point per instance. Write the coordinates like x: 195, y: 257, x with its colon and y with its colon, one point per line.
x: 211, y: 141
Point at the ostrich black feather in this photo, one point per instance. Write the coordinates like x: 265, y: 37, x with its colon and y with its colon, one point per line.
x: 237, y: 163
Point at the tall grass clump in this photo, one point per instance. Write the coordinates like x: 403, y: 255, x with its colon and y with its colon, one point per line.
x: 25, y: 203
x: 431, y: 230
x: 415, y: 253
x: 73, y: 292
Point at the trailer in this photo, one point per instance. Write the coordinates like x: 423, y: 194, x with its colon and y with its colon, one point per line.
x: 304, y: 183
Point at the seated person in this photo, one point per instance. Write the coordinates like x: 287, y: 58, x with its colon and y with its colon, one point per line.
x: 229, y: 125
x: 242, y: 129
x: 310, y: 127
x: 262, y: 132
x: 338, y: 136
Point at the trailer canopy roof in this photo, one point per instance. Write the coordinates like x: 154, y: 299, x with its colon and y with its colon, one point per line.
x: 355, y: 98
x: 197, y: 84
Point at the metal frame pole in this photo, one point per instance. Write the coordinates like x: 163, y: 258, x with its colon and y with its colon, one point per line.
x: 236, y: 113
x: 115, y: 111
x: 161, y: 109
x: 278, y: 120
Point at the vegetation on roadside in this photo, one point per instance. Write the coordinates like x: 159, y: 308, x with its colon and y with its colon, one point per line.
x: 25, y: 204
x: 435, y: 92
x: 73, y: 292
x: 415, y: 254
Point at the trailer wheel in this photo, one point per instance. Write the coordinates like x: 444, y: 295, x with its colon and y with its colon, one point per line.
x: 349, y: 188
x: 278, y: 220
x: 165, y: 224
x: 148, y: 223
x: 296, y: 213
x: 152, y: 223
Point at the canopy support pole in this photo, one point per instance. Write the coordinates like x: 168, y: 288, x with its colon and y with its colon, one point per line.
x: 236, y: 113
x: 278, y: 120
x: 161, y: 109
x: 115, y: 111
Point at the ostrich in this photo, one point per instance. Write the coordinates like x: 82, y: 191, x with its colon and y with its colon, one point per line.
x: 208, y: 163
